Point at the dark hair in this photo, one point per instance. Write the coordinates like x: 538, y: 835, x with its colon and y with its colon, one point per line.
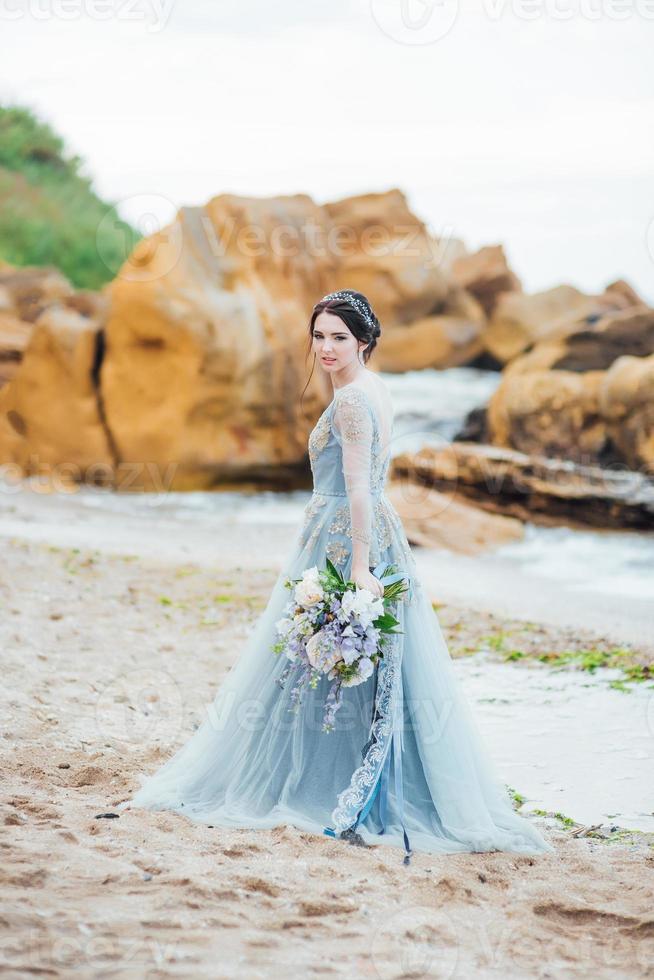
x: 353, y: 320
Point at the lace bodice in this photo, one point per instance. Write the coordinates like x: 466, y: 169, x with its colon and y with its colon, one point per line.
x: 344, y: 445
x: 348, y: 459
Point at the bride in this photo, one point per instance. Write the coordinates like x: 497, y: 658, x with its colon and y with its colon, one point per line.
x: 404, y: 763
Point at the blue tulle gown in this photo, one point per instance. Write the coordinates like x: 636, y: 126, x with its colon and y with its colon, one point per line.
x: 405, y: 764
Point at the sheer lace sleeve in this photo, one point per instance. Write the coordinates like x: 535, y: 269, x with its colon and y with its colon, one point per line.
x: 353, y: 427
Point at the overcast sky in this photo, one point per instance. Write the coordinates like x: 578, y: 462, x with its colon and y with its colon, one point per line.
x: 524, y: 122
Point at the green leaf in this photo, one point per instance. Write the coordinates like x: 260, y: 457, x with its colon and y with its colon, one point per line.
x: 331, y: 568
x: 385, y: 622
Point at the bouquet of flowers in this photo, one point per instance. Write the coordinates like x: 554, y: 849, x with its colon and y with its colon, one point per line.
x: 332, y: 627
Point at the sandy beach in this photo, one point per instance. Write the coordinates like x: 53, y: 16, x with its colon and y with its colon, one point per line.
x: 109, y: 656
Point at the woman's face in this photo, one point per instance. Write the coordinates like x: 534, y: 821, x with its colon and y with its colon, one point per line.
x: 333, y: 343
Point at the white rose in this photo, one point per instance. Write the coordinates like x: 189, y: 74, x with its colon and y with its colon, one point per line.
x: 307, y: 596
x: 308, y: 592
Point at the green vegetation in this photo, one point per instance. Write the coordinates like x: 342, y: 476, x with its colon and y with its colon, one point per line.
x: 49, y: 213
x: 589, y: 659
x: 566, y: 821
x: 517, y: 798
x: 498, y: 643
x: 600, y: 834
x: 614, y: 657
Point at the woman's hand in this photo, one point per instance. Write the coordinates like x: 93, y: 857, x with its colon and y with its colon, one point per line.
x: 363, y: 577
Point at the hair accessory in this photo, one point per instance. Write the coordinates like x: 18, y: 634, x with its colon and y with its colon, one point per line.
x: 355, y: 303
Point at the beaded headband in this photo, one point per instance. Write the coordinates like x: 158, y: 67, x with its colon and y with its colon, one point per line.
x: 355, y: 303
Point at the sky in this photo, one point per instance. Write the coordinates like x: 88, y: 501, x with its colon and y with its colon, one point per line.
x: 523, y: 122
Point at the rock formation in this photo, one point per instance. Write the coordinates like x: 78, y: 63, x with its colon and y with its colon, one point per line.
x: 437, y: 519
x: 626, y: 403
x: 486, y: 275
x: 532, y: 488
x: 520, y: 320
x: 205, y: 342
x: 570, y: 397
x: 50, y: 417
x: 191, y: 370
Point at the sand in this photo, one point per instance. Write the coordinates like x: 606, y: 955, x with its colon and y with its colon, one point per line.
x: 108, y: 661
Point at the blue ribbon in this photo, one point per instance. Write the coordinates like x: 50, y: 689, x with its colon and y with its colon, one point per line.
x: 393, y: 760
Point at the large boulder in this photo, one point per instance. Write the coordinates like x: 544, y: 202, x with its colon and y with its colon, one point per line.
x: 486, y: 275
x: 51, y: 421
x: 571, y: 396
x: 521, y: 320
x: 550, y: 413
x: 626, y: 292
x: 594, y: 347
x: 24, y: 294
x: 205, y: 363
x: 626, y: 401
x: 439, y: 341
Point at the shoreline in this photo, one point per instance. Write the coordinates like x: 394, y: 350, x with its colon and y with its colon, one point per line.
x: 510, y: 583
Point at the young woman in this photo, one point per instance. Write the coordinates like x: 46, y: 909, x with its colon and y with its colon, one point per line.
x: 404, y: 764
